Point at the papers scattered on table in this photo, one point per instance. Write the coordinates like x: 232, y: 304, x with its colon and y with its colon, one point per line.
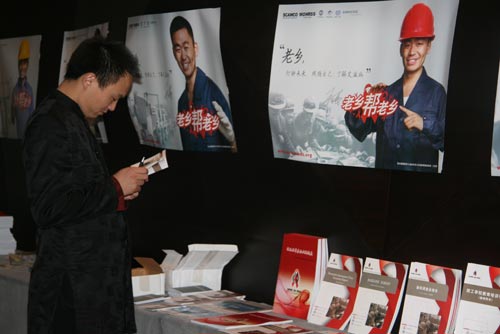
x: 150, y: 298
x: 196, y: 299
x: 217, y: 308
x: 239, y: 320
x: 187, y: 290
x: 271, y: 329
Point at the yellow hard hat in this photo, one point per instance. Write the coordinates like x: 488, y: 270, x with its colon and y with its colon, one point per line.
x: 24, y: 50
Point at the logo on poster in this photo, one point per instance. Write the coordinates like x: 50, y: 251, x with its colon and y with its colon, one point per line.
x: 307, y: 14
x: 290, y: 15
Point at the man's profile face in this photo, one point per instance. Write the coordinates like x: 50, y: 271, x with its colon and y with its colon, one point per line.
x: 185, y: 51
x: 97, y: 100
x: 413, y: 52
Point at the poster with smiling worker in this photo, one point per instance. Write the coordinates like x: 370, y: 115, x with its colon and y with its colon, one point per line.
x: 182, y: 102
x: 362, y: 83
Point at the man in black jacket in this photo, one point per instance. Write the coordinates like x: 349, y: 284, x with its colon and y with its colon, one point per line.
x: 80, y: 282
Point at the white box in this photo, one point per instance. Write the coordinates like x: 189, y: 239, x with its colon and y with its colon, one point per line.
x: 150, y: 279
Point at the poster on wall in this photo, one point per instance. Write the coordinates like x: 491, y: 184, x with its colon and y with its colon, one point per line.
x: 362, y: 84
x: 495, y: 145
x: 70, y: 42
x: 182, y: 102
x: 19, y: 63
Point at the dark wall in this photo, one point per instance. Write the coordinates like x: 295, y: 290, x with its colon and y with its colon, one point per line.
x: 251, y: 199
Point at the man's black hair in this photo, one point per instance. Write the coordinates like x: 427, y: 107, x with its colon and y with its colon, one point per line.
x: 179, y: 23
x: 109, y: 60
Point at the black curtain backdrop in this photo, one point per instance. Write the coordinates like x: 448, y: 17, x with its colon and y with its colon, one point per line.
x: 250, y: 198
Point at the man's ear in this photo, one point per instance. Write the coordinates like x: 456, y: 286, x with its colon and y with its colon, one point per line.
x: 196, y: 49
x: 88, y: 79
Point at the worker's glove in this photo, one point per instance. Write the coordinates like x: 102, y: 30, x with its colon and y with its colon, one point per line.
x: 225, y: 126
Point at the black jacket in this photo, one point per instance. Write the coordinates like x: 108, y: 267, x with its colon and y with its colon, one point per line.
x: 82, y: 238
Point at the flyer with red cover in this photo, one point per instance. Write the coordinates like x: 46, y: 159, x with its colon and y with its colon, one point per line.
x: 301, y: 269
x: 334, y: 303
x: 379, y: 297
x: 431, y: 299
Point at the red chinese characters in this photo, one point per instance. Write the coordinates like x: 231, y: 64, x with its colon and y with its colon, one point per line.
x: 372, y: 103
x: 198, y: 121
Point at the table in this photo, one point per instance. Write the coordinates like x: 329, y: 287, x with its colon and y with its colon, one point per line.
x: 14, y: 298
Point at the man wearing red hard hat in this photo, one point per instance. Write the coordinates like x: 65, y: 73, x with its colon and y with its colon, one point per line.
x: 410, y: 138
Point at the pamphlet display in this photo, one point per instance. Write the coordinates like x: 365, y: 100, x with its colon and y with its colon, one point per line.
x: 431, y: 299
x: 334, y: 303
x: 301, y: 269
x: 379, y: 296
x: 479, y: 309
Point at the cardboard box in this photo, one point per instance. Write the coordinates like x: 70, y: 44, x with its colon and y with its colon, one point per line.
x: 150, y: 279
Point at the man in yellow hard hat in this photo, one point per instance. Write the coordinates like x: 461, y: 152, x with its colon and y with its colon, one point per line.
x: 22, y: 102
x: 411, y: 137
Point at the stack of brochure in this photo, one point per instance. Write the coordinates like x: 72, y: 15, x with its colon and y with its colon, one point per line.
x: 333, y: 305
x: 7, y: 241
x: 202, y: 265
x: 379, y: 296
x: 301, y: 269
x: 479, y: 309
x: 431, y: 300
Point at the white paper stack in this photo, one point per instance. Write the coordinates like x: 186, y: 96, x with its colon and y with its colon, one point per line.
x: 202, y: 265
x: 479, y: 310
x: 7, y: 241
x: 431, y: 300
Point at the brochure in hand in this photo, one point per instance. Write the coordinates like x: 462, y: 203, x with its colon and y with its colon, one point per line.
x: 154, y: 163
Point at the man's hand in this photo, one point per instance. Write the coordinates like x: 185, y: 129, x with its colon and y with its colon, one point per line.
x: 131, y: 180
x: 412, y: 120
x: 225, y: 126
x: 377, y: 88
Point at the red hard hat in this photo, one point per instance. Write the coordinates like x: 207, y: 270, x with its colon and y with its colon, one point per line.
x: 418, y: 22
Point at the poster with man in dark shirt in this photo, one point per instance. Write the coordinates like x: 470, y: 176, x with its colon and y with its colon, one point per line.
x: 381, y: 88
x: 182, y: 102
